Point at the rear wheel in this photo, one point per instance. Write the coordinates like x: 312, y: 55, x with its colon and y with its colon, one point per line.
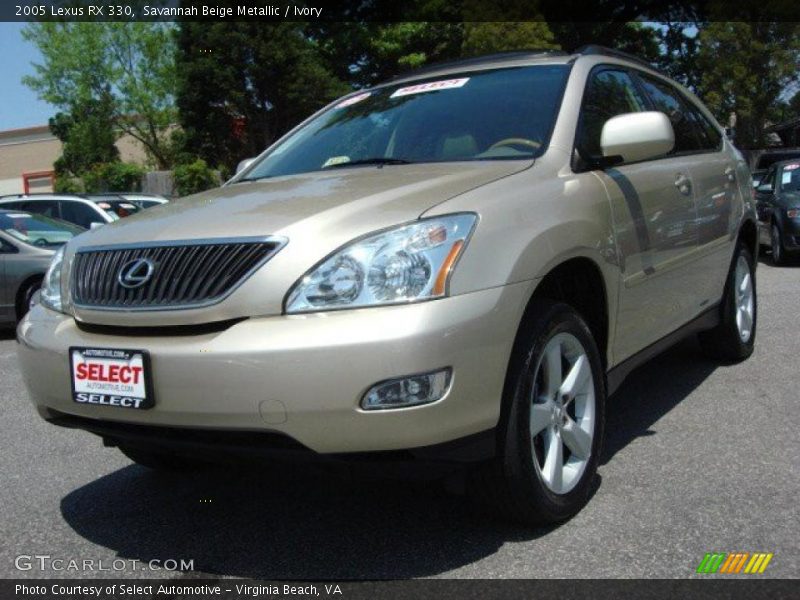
x: 776, y: 245
x: 734, y: 338
x: 553, y: 432
x: 162, y: 461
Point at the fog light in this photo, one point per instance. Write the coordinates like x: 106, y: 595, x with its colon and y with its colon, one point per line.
x: 408, y: 391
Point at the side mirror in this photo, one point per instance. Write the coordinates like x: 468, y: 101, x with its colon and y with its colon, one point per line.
x: 95, y: 225
x: 764, y: 188
x: 637, y: 136
x: 243, y: 164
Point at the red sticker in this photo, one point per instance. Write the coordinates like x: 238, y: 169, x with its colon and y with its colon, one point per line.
x: 432, y: 86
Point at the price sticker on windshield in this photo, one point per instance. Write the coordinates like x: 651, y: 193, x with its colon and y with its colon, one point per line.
x: 432, y: 86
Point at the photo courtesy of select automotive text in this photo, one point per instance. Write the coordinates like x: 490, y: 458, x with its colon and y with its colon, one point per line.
x: 399, y: 300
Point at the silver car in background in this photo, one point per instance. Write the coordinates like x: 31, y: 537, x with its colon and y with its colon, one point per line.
x: 27, y: 244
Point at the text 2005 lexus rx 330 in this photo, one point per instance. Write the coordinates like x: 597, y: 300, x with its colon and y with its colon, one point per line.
x: 459, y: 265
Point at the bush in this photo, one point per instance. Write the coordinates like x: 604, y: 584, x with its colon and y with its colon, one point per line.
x: 114, y: 177
x: 68, y: 185
x: 194, y: 177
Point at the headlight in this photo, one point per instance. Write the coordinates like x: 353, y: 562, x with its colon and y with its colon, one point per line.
x: 51, y: 285
x: 406, y: 264
x: 793, y: 213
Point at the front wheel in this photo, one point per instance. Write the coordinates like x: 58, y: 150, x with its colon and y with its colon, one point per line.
x: 553, y: 430
x: 733, y: 339
x: 25, y: 299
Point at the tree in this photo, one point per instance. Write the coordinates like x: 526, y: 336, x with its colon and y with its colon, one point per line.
x: 488, y: 37
x: 681, y: 48
x: 87, y: 136
x: 243, y: 84
x: 760, y: 62
x: 129, y: 65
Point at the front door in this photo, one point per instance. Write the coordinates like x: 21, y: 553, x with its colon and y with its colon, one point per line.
x: 654, y: 219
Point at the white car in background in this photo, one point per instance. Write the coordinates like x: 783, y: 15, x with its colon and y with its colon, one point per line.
x: 72, y: 209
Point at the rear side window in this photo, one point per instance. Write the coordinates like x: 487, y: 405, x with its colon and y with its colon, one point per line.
x: 711, y: 136
x: 689, y: 136
x: 609, y: 93
x: 48, y: 208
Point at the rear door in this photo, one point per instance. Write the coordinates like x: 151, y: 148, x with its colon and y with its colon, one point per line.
x: 713, y: 173
x: 654, y: 216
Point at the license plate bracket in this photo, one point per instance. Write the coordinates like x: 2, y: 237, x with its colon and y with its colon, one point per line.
x: 112, y: 377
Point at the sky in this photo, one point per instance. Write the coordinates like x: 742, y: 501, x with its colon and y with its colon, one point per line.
x: 19, y: 106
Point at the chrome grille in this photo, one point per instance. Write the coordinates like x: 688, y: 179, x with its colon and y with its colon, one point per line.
x: 184, y: 274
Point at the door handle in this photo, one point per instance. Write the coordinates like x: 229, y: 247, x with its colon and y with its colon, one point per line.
x: 730, y: 173
x: 684, y: 184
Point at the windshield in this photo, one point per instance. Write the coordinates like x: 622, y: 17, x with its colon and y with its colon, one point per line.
x: 489, y: 115
x: 37, y: 230
x: 790, y: 177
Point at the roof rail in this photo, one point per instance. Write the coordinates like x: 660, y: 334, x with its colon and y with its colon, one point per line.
x: 479, y: 60
x: 595, y: 50
x: 35, y: 194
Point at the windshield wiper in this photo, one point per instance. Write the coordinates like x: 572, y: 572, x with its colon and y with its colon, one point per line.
x: 378, y: 160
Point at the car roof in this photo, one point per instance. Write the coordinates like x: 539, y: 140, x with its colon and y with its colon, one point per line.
x: 520, y: 58
x: 42, y: 197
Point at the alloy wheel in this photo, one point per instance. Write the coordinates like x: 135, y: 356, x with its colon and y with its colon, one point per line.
x: 562, y: 413
x: 745, y: 299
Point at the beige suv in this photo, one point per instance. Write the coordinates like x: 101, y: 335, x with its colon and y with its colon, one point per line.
x: 459, y: 265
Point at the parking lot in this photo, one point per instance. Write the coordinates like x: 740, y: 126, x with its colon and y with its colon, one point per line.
x: 699, y: 458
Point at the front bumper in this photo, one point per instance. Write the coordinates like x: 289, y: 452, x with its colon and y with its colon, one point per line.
x: 302, y: 376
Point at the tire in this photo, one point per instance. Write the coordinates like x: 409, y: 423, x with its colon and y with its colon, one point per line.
x: 733, y: 339
x: 776, y: 245
x: 24, y: 298
x: 161, y: 461
x: 519, y: 483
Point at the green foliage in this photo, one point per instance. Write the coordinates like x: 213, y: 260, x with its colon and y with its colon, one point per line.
x: 128, y: 65
x: 760, y: 61
x: 113, y: 177
x: 68, y: 185
x: 194, y: 177
x: 485, y: 38
x: 243, y: 84
x: 87, y: 135
x: 678, y: 59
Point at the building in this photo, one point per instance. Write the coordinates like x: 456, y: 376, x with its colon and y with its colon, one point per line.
x: 27, y: 156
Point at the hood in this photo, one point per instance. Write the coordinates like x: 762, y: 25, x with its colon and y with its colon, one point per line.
x: 366, y: 198
x: 316, y: 212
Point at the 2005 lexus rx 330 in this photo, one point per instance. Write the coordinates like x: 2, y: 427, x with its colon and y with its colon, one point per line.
x: 458, y: 265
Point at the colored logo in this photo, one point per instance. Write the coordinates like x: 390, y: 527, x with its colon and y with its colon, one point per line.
x: 735, y: 562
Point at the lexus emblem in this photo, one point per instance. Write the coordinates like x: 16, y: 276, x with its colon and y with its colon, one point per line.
x: 135, y: 273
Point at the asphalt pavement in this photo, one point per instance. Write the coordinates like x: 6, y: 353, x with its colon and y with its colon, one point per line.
x: 699, y: 458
